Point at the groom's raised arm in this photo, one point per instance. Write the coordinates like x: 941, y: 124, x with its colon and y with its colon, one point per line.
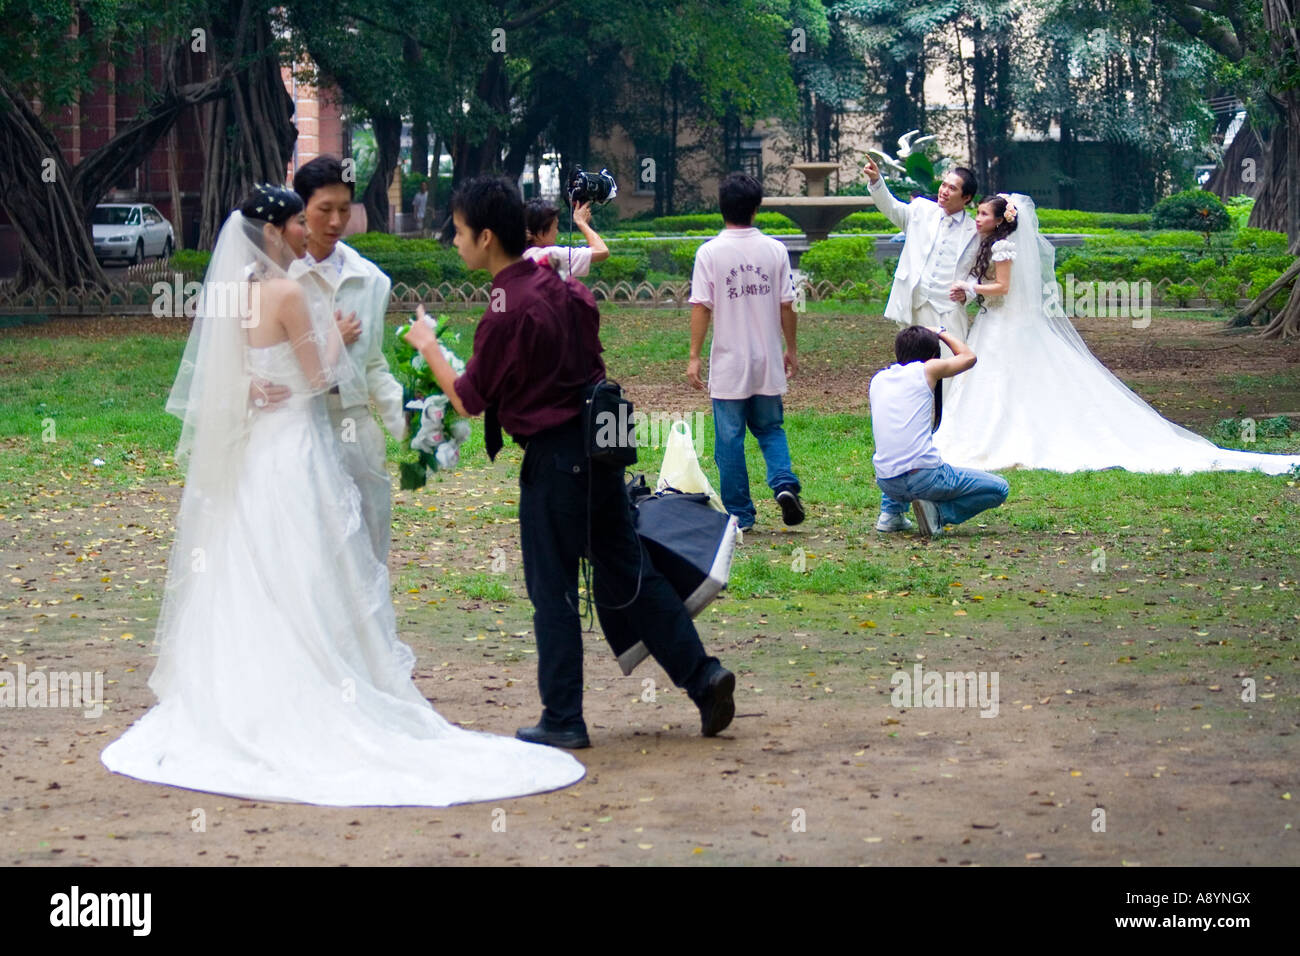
x: 897, y: 212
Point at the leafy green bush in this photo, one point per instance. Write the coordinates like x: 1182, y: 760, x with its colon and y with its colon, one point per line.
x: 1260, y: 240
x: 1261, y: 279
x: 1176, y: 239
x: 192, y: 263
x: 1243, y: 265
x: 1078, y: 220
x: 1193, y: 209
x: 1203, y: 269
x: 1239, y: 209
x: 841, y: 259
x: 1226, y: 290
x: 866, y: 222
x: 1180, y: 293
x: 682, y: 255
x: 621, y: 269
x: 413, y: 261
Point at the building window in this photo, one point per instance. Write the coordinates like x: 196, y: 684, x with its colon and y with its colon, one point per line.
x: 751, y: 156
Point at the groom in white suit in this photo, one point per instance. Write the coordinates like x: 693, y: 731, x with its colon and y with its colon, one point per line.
x: 939, y: 250
x: 359, y: 291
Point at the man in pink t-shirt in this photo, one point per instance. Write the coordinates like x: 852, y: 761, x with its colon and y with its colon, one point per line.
x: 742, y: 283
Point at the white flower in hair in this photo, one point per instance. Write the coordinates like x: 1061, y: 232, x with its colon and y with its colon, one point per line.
x: 1010, y: 213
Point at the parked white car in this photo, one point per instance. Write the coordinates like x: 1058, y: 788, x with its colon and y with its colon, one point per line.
x: 130, y: 231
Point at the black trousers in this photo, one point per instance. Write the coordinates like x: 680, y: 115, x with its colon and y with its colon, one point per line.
x: 554, y: 483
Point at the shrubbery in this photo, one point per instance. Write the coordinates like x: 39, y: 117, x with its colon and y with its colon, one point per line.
x: 842, y: 259
x: 1193, y: 209
x: 192, y: 263
x: 412, y: 261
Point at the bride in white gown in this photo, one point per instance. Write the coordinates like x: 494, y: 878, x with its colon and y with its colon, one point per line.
x: 1037, y: 398
x: 280, y: 675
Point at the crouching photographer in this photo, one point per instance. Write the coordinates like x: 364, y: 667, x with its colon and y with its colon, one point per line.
x: 536, y: 359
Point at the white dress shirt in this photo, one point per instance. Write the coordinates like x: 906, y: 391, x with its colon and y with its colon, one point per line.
x: 941, y: 265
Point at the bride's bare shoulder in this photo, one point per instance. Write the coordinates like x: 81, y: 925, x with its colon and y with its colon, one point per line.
x: 281, y: 291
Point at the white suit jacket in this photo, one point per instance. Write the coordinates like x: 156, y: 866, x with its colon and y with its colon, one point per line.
x: 919, y: 221
x: 362, y: 288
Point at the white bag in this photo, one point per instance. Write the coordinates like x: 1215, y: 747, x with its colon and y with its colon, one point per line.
x: 681, y: 468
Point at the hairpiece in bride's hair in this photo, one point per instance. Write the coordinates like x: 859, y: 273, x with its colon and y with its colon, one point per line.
x: 1009, y: 214
x: 273, y: 204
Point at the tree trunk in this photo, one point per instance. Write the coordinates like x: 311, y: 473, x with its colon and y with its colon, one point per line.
x: 1240, y: 173
x: 55, y: 247
x: 388, y: 145
x: 49, y: 203
x: 1286, y: 324
x: 420, y: 143
x: 250, y: 132
x: 824, y: 118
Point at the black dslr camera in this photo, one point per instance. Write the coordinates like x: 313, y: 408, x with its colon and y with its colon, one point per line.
x: 592, y: 187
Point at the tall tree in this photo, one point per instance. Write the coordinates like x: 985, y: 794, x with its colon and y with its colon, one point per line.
x: 48, y: 199
x: 248, y: 132
x: 1263, y: 43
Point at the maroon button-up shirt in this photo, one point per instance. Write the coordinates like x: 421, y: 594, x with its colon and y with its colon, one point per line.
x: 532, y: 357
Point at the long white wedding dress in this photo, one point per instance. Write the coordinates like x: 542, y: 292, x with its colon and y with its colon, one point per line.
x: 1038, y: 398
x: 281, y: 676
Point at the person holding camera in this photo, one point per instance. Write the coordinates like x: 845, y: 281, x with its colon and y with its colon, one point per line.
x: 536, y: 356
x: 542, y: 224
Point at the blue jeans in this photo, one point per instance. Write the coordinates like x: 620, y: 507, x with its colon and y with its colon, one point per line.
x: 764, y: 414
x: 958, y: 493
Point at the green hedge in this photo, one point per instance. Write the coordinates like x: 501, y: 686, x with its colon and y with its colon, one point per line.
x: 842, y: 259
x: 1260, y: 240
x: 1193, y: 209
x: 1050, y: 220
x: 193, y: 263
x: 413, y: 261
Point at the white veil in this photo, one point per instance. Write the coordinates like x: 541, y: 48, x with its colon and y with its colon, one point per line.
x: 246, y: 284
x: 1035, y: 292
x: 1041, y: 399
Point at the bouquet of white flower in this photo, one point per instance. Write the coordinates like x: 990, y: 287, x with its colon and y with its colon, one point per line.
x: 437, y: 431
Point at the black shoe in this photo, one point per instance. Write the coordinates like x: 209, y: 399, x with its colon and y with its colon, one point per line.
x: 568, y: 739
x: 791, y: 506
x: 716, y: 704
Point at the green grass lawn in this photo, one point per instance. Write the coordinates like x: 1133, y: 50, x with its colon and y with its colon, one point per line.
x: 68, y: 402
x: 1124, y: 612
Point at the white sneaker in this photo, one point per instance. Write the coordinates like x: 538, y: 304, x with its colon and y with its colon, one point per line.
x: 927, y: 518
x: 896, y: 522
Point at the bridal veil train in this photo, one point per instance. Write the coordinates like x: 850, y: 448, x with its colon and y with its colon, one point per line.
x: 280, y: 675
x: 1038, y: 398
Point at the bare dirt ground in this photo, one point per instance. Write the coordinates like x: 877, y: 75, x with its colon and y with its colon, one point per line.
x: 818, y: 766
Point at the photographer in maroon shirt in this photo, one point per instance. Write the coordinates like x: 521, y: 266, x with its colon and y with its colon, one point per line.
x: 536, y: 351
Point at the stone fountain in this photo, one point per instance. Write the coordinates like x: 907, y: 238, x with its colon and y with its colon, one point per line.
x: 816, y: 213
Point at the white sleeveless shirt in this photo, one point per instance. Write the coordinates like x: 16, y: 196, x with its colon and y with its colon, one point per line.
x: 902, y: 410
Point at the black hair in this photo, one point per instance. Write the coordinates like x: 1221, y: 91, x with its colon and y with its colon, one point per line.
x: 538, y: 216
x: 493, y: 202
x: 273, y: 204
x: 916, y: 343
x: 967, y: 181
x: 1004, y: 228
x: 320, y: 172
x: 739, y: 195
